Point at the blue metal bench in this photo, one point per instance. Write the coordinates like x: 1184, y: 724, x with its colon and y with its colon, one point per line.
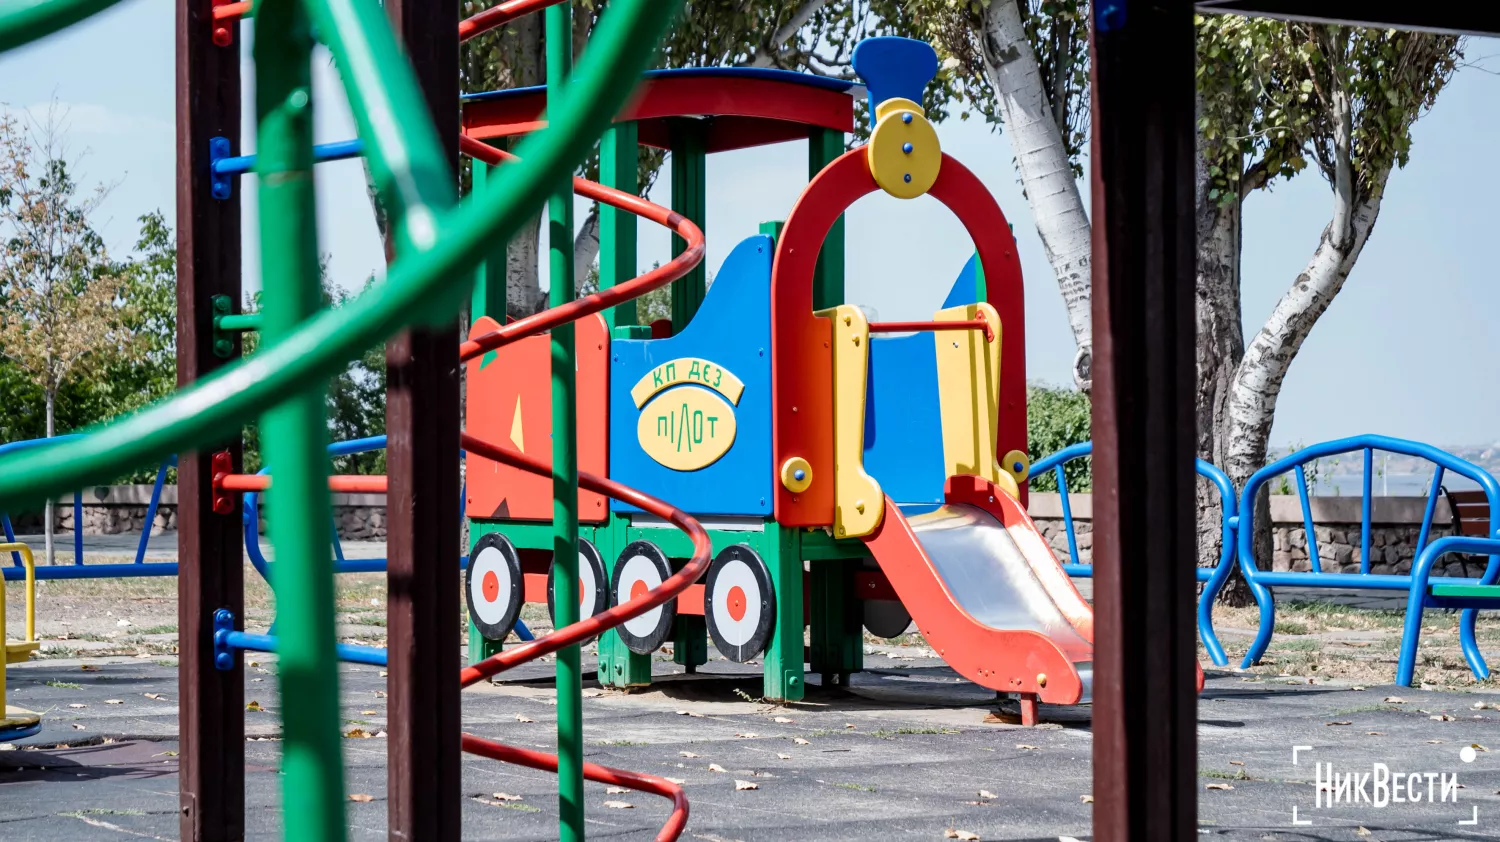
x: 1214, y: 576
x: 1451, y: 592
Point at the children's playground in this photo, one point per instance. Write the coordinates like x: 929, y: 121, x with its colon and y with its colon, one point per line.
x: 813, y: 598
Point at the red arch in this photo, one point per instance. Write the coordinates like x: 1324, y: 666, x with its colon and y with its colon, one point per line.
x: 801, y: 365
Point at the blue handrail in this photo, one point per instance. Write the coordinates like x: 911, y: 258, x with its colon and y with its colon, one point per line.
x: 140, y: 553
x: 1215, y: 576
x: 1366, y: 444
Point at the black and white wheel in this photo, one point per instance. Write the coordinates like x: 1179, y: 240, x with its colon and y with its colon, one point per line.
x: 492, y: 586
x: 592, y: 597
x: 640, y: 568
x: 739, y: 603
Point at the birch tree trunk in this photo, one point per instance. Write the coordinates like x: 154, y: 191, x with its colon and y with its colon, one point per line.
x: 586, y: 248
x: 1046, y: 174
x: 49, y: 528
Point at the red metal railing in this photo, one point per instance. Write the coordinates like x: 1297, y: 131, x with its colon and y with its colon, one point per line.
x: 913, y: 327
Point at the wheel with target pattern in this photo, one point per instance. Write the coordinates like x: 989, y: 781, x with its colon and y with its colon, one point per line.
x: 592, y: 597
x: 640, y: 568
x: 492, y: 586
x: 739, y: 603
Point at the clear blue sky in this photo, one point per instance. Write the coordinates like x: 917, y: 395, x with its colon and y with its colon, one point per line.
x: 1406, y: 349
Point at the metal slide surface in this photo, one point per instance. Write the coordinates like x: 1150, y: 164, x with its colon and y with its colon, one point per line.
x: 989, y: 595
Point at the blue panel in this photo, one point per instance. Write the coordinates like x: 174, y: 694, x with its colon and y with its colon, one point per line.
x: 968, y: 289
x: 903, y: 419
x: 894, y: 67
x: 732, y: 330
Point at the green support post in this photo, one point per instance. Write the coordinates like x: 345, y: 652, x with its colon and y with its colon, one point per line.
x: 835, y: 622
x: 618, y: 666
x: 690, y: 641
x: 689, y: 198
x: 823, y: 146
x: 296, y: 431
x: 488, y: 298
x: 559, y: 35
x: 618, y: 154
x: 782, y: 552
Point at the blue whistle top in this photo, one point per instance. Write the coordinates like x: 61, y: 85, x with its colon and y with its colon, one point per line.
x: 894, y: 67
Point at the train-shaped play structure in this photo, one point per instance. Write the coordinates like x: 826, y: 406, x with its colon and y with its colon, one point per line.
x: 849, y: 472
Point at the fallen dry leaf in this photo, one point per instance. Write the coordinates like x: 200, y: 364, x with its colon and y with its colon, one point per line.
x: 780, y: 756
x: 157, y: 696
x: 848, y: 724
x: 961, y: 835
x: 1236, y: 763
x: 1375, y: 733
x: 748, y: 735
x: 714, y: 767
x: 113, y: 702
x: 782, y: 720
x: 254, y: 705
x: 380, y: 735
x: 504, y: 796
x: 521, y: 717
x: 1025, y: 747
x: 1362, y: 832
x: 619, y: 805
x: 1339, y: 722
x: 743, y: 785
x: 689, y: 754
x: 77, y: 727
x: 368, y: 712
x: 361, y: 797
x: 88, y: 668
x: 1436, y: 742
x: 1477, y: 747
x: 384, y: 673
x: 357, y: 734
x: 1219, y: 786
x: 1394, y: 700
x: 1441, y: 717
x: 678, y: 781
x: 756, y: 774
x: 1001, y: 718
x: 801, y: 742
x: 615, y: 790
x: 984, y: 793
x: 688, y: 713
x: 1087, y: 799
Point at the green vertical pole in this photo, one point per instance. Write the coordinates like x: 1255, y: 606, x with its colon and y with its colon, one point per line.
x: 295, y: 431
x: 488, y: 299
x: 564, y: 454
x: 617, y: 231
x: 823, y: 146
x: 837, y: 644
x: 782, y: 553
x: 689, y: 198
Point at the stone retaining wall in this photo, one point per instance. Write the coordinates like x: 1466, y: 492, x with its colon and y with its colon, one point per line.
x: 1395, y: 525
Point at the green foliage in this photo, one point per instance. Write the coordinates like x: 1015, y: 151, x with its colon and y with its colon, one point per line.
x: 1271, y: 94
x: 1057, y: 417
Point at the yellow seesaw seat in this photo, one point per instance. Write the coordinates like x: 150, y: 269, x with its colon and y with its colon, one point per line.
x: 16, y: 719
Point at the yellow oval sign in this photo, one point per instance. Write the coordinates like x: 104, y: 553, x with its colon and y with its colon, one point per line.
x: 686, y: 428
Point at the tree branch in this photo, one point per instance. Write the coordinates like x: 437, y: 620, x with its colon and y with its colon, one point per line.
x: 767, y: 53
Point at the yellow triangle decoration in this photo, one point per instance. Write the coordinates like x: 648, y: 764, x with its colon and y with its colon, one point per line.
x: 515, y: 428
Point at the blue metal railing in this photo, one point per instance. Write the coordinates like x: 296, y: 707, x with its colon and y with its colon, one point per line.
x: 77, y: 570
x: 1215, y: 576
x: 1415, y: 583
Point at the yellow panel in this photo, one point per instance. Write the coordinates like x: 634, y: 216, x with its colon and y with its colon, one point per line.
x: 858, y: 502
x: 903, y: 154
x: 969, y: 393
x: 686, y: 428
x: 19, y: 651
x: 687, y: 370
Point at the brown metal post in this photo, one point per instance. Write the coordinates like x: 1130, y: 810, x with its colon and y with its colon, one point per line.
x: 211, y: 571
x: 422, y: 418
x: 1145, y: 700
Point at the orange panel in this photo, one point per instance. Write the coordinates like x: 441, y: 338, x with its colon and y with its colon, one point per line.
x: 509, y: 403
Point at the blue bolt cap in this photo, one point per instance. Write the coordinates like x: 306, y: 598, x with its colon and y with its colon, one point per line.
x: 908, y: 178
x: 906, y: 147
x: 906, y: 118
x: 799, y: 475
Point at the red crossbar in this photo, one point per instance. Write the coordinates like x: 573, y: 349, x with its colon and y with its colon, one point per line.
x: 347, y: 483
x: 913, y: 327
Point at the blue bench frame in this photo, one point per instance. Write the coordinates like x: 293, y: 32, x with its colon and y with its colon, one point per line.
x: 1215, y: 576
x: 1415, y: 583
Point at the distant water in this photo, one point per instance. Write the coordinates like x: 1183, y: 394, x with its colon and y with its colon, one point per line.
x: 1391, y: 484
